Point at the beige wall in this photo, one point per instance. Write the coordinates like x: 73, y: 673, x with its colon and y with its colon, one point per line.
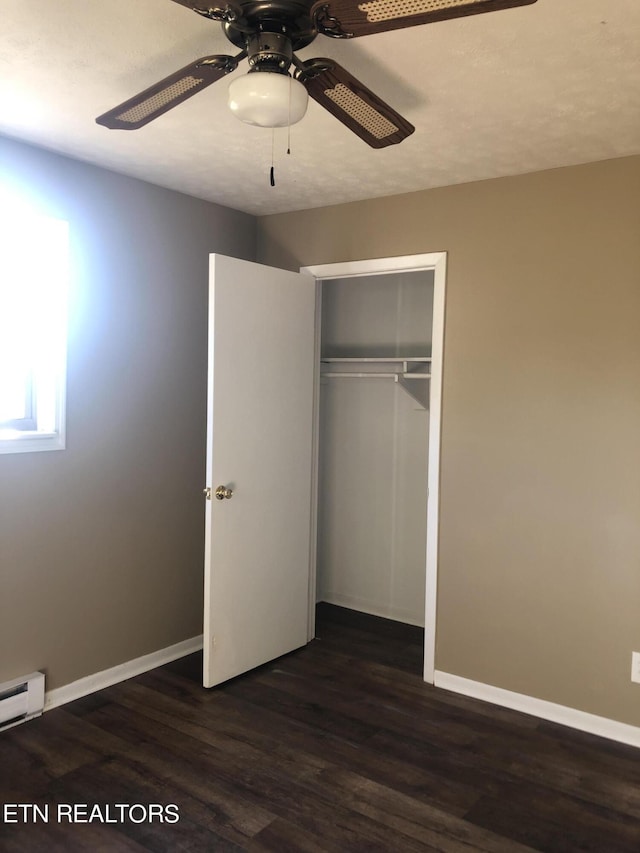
x: 101, y: 545
x: 539, y: 585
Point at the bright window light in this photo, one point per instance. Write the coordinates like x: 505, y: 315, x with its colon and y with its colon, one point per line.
x: 34, y: 270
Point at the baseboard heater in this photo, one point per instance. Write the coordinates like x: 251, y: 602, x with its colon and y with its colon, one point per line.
x: 21, y: 699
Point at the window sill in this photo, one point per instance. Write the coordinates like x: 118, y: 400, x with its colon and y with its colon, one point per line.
x: 12, y: 441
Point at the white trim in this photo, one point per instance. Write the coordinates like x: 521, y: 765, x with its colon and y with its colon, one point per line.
x: 433, y: 477
x: 437, y: 262
x: 100, y: 680
x: 581, y: 720
x: 376, y: 266
x: 32, y: 441
x: 363, y: 606
x: 315, y: 471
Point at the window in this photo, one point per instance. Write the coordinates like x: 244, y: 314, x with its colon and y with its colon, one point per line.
x: 33, y: 308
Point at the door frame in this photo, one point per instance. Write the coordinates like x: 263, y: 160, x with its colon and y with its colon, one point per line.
x: 437, y: 263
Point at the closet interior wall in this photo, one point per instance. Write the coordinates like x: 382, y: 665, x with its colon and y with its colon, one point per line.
x: 373, y: 444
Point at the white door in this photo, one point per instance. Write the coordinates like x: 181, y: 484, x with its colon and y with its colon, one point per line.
x: 259, y: 448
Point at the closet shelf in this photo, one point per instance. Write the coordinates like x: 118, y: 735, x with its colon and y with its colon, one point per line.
x: 376, y: 360
x: 394, y: 364
x: 398, y: 368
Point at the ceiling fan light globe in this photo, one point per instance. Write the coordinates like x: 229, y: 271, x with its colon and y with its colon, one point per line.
x: 267, y: 99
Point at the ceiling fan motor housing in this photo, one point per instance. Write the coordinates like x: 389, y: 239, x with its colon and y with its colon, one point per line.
x: 269, y: 51
x: 268, y: 18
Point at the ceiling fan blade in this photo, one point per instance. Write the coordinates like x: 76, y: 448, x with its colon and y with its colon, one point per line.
x: 217, y: 12
x: 353, y: 104
x: 200, y: 5
x: 193, y: 4
x: 168, y: 93
x: 351, y: 18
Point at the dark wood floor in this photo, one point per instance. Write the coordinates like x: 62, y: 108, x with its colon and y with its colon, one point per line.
x: 337, y: 747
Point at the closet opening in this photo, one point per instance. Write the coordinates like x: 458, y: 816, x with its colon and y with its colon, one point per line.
x: 375, y: 448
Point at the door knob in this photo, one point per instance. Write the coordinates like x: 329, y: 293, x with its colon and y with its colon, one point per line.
x: 222, y: 492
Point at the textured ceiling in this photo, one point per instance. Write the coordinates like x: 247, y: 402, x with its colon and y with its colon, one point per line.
x: 551, y: 84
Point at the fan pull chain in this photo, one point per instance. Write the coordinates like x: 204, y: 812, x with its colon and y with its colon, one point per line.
x: 272, y: 174
x: 289, y: 119
x: 272, y: 171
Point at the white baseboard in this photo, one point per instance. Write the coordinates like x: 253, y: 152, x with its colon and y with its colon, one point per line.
x: 99, y: 680
x: 364, y: 606
x: 581, y: 720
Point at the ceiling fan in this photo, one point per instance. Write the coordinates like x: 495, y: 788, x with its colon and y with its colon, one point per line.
x: 267, y: 33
